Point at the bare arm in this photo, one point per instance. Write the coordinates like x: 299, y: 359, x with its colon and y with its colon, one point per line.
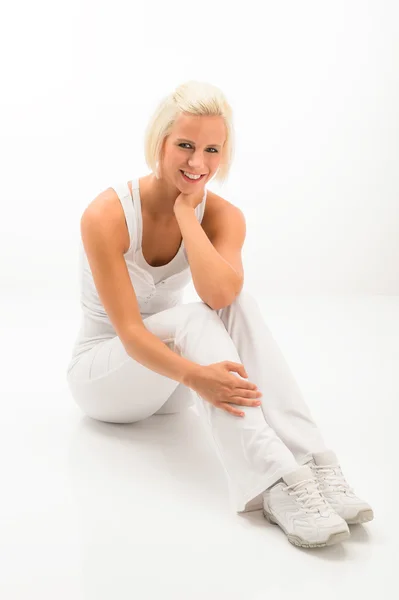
x: 147, y: 349
x: 104, y: 235
x: 215, y: 280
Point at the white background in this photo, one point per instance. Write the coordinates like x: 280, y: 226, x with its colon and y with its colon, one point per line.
x: 314, y: 88
x: 96, y: 511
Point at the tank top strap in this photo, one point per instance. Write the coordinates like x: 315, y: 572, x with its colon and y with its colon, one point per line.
x: 125, y: 197
x: 137, y: 212
x: 200, y: 209
x: 132, y: 209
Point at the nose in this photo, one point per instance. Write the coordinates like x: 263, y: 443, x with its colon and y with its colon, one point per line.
x: 196, y: 162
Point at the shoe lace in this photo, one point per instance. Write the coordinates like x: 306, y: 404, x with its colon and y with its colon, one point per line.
x: 309, y: 495
x: 333, y: 477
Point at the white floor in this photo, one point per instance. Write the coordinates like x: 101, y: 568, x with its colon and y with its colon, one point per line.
x: 99, y: 511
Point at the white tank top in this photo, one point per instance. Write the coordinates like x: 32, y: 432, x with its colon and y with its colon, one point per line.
x: 156, y: 288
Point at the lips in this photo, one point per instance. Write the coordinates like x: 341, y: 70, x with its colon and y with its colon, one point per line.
x: 181, y: 171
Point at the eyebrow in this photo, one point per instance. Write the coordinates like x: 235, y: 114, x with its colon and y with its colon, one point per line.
x: 191, y: 142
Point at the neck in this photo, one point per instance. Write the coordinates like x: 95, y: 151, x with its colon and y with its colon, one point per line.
x: 159, y: 197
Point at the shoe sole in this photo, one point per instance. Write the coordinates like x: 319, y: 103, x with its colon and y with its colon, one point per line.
x: 362, y: 517
x: 335, y: 538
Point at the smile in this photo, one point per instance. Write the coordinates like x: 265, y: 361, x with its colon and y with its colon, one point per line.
x: 189, y: 179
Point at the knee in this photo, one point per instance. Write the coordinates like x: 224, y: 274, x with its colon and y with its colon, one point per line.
x: 194, y: 322
x: 196, y: 312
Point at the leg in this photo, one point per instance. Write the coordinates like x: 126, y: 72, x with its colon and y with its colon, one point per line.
x: 283, y: 405
x: 110, y: 386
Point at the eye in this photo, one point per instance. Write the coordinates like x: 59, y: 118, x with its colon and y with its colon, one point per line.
x: 187, y: 144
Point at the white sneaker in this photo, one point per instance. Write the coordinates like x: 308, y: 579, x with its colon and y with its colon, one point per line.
x: 297, y: 506
x: 336, y: 489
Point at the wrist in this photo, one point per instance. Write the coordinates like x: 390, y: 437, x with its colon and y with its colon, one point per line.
x: 191, y: 374
x: 181, y: 207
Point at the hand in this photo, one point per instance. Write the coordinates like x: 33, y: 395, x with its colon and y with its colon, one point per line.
x: 191, y: 200
x: 221, y: 388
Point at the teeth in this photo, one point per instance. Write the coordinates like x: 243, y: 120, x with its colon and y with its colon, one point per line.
x: 191, y: 176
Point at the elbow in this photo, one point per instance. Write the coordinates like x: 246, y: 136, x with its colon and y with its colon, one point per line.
x: 221, y: 302
x: 225, y: 299
x: 221, y: 299
x: 215, y: 303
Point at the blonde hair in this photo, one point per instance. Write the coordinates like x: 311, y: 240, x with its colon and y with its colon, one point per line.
x: 193, y: 98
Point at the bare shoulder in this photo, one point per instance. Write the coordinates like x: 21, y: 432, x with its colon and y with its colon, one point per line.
x: 217, y: 207
x: 105, y: 212
x: 216, y: 203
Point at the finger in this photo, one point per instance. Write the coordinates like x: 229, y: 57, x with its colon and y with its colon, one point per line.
x: 240, y: 383
x: 245, y: 384
x: 237, y: 367
x: 244, y: 401
x: 248, y: 393
x: 231, y: 409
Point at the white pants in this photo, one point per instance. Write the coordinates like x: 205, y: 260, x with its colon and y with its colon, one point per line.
x: 255, y: 450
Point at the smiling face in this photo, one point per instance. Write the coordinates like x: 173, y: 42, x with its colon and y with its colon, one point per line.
x: 194, y: 145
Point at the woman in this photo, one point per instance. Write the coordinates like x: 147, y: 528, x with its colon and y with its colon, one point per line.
x: 140, y: 351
